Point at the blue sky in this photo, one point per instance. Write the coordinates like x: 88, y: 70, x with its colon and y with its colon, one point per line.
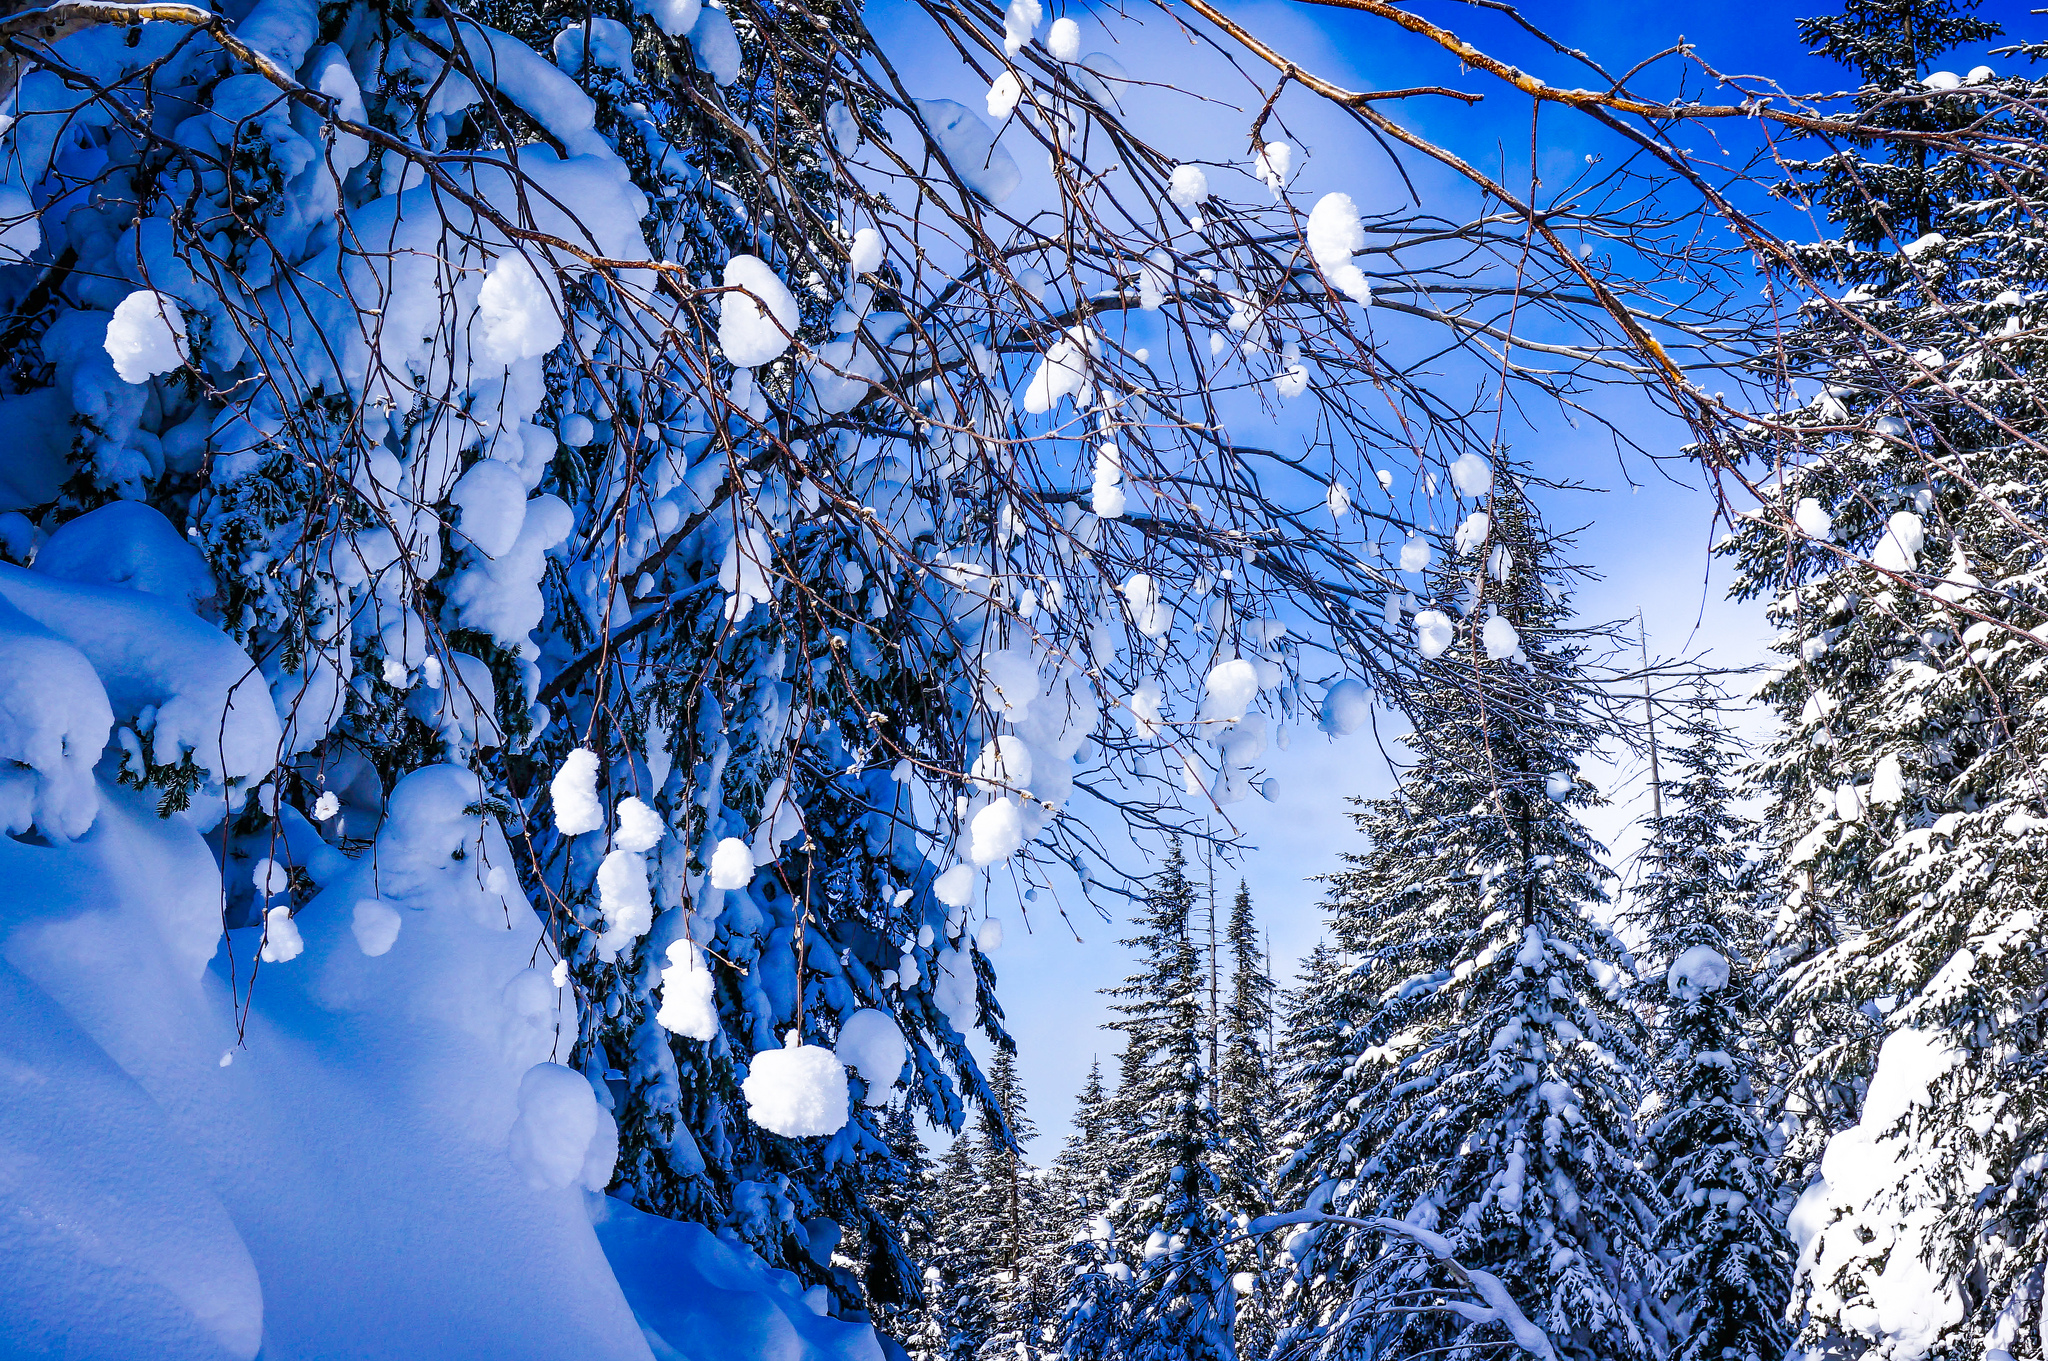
x: 1648, y: 542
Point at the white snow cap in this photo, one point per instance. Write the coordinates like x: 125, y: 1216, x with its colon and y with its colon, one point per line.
x: 1149, y: 614
x: 1899, y: 549
x: 1334, y: 233
x: 1020, y: 21
x: 715, y: 45
x: 732, y: 864
x: 1003, y: 93
x: 1189, y: 185
x: 1063, y: 40
x: 574, y: 791
x: 798, y: 1091
x: 955, y: 888
x: 281, y: 939
x: 1500, y: 638
x: 996, y: 834
x: 375, y: 925
x: 146, y: 336
x: 866, y: 251
x: 756, y: 325
x: 1229, y: 690
x: 640, y: 827
x: 672, y: 17
x: 955, y: 988
x: 1472, y: 532
x: 1813, y: 521
x: 872, y: 1044
x: 1472, y: 476
x: 517, y: 317
x: 1415, y: 553
x: 1560, y: 783
x: 1698, y: 970
x: 989, y: 937
x: 562, y: 1137
x: 1272, y: 164
x: 1339, y: 500
x: 686, y: 992
x: 1346, y: 707
x: 1062, y: 373
x: 1433, y: 633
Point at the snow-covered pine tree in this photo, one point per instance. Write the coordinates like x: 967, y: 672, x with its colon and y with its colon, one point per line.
x: 1094, y: 1273
x: 1726, y: 1270
x: 903, y: 1212
x: 1247, y: 1102
x: 1019, y: 1279
x: 1169, y: 1211
x: 1904, y: 556
x: 959, y: 1313
x: 1500, y: 1071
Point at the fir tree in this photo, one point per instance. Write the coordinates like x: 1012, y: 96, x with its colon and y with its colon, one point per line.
x: 1499, y: 1072
x: 1169, y: 1202
x: 1726, y: 1271
x: 1247, y: 1106
x: 1093, y: 1275
x: 1018, y: 1277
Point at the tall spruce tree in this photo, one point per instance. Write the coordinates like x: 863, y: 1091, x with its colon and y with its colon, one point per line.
x: 1726, y: 1274
x: 1247, y: 1102
x: 1906, y: 801
x: 1170, y: 1211
x: 959, y: 1315
x: 1019, y: 1278
x: 1499, y: 1071
x: 1094, y: 1276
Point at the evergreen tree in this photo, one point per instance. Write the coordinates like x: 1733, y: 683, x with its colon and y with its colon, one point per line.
x: 1093, y: 1275
x: 1247, y: 1107
x: 902, y: 1216
x: 1018, y: 1281
x: 1500, y: 1073
x: 1169, y: 1202
x: 960, y: 1315
x: 1726, y: 1272
x: 1905, y: 800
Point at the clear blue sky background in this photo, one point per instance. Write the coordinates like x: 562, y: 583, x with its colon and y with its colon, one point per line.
x: 1649, y: 542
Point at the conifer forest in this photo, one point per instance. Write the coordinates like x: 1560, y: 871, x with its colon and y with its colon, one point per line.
x: 619, y: 617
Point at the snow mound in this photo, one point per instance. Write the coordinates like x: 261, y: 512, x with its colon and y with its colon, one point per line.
x: 687, y: 1008
x: 971, y: 148
x: 798, y: 1091
x: 562, y: 1136
x: 1698, y: 970
x: 1346, y: 707
x: 872, y: 1044
x: 758, y: 318
x: 128, y: 543
x: 732, y: 864
x: 54, y: 718
x: 146, y: 336
x: 574, y: 791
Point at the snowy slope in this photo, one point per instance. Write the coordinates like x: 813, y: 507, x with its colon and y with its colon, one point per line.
x: 311, y: 1157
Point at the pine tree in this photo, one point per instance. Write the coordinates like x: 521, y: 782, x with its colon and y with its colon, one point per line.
x: 1726, y: 1270
x: 1093, y: 1274
x: 1169, y: 1209
x: 1247, y: 1107
x: 1499, y: 1073
x: 960, y: 1315
x: 1018, y: 1280
x: 1903, y: 563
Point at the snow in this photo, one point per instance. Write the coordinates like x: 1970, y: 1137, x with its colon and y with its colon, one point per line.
x: 281, y: 939
x: 54, y: 719
x: 1228, y: 691
x: 1433, y: 633
x: 492, y: 499
x: 1698, y: 970
x: 758, y: 317
x: 732, y: 864
x: 1063, y: 372
x: 21, y: 230
x: 561, y: 1137
x: 990, y: 937
x: 798, y: 1091
x: 1063, y: 40
x: 688, y: 1007
x: 517, y: 316
x: 996, y: 833
x: 1415, y: 553
x: 866, y: 251
x: 1500, y: 639
x: 1899, y: 549
x: 716, y: 46
x: 955, y: 887
x: 1334, y: 231
x: 1470, y: 474
x: 375, y: 926
x: 1003, y: 93
x: 1150, y: 615
x: 1020, y: 21
x: 955, y: 988
x: 1558, y: 784
x: 1813, y: 522
x: 970, y: 147
x: 673, y: 17
x: 872, y: 1044
x: 1346, y: 707
x: 640, y: 828
x: 1108, y: 492
x: 1471, y: 533
x: 1188, y: 187
x: 1339, y: 500
x: 574, y: 793
x: 128, y: 543
x: 1272, y: 164
x: 146, y: 336
x: 625, y: 900
x: 1887, y: 782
